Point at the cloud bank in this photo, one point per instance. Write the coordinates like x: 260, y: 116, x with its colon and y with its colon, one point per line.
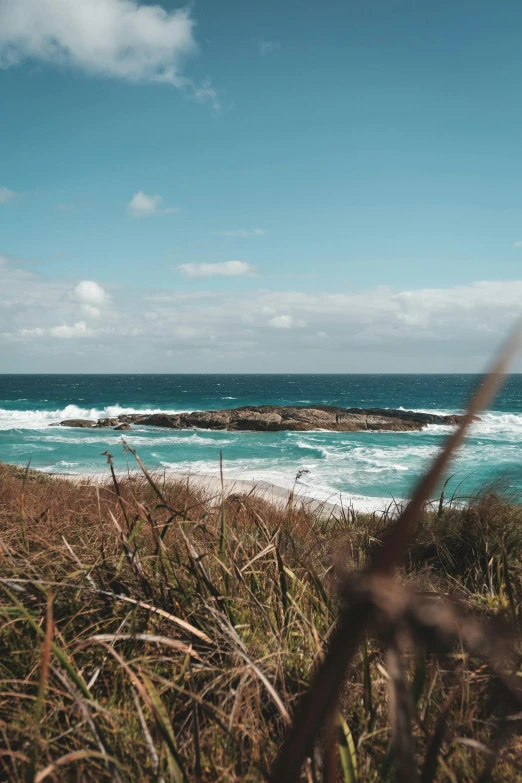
x: 81, y: 326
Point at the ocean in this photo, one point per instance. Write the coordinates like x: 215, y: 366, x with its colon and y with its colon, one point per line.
x: 365, y: 468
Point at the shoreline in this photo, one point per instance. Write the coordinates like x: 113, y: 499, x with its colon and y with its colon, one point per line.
x: 274, y: 494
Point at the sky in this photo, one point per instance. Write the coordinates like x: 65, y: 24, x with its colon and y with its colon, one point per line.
x: 261, y: 186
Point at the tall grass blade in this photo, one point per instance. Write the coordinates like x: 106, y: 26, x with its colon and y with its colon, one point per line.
x: 165, y: 725
x: 403, y: 745
x: 367, y: 680
x: 429, y: 769
x: 420, y: 677
x: 42, y: 687
x: 223, y: 531
x: 283, y: 585
x: 347, y: 751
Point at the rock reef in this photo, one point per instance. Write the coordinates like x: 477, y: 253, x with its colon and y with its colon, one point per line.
x: 277, y: 418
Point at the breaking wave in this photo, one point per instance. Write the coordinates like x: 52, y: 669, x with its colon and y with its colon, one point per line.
x: 361, y: 468
x: 39, y: 419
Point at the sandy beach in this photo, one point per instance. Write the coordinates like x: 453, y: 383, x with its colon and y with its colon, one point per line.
x: 211, y: 485
x: 261, y: 489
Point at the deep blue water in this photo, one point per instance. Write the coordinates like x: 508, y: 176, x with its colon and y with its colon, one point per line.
x: 360, y: 465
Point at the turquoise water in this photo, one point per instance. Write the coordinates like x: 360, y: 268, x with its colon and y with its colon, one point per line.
x: 365, y: 467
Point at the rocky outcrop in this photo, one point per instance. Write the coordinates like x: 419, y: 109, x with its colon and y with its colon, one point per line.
x: 276, y: 418
x: 125, y: 427
x: 85, y: 423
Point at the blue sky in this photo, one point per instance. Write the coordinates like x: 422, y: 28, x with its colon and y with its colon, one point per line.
x: 266, y: 156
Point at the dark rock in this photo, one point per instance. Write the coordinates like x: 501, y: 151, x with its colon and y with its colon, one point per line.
x: 123, y: 426
x: 205, y: 420
x: 277, y: 418
x: 112, y: 422
x: 85, y: 423
x: 160, y: 420
x: 130, y: 418
x: 255, y: 420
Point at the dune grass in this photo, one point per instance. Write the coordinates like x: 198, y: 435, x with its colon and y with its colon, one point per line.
x: 150, y: 633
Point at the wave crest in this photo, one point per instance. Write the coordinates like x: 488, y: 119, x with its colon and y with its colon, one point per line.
x: 39, y: 419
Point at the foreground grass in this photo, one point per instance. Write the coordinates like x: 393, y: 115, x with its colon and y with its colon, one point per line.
x: 156, y: 634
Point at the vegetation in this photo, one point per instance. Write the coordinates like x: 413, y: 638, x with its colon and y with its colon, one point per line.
x: 148, y: 632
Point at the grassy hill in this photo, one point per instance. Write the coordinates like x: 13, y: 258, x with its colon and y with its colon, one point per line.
x: 147, y: 633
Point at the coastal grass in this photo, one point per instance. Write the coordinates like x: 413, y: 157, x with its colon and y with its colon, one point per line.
x: 151, y: 632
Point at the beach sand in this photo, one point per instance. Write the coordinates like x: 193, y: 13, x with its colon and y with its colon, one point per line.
x: 211, y: 486
x: 272, y: 493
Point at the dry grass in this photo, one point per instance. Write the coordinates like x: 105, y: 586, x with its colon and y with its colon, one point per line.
x: 150, y: 636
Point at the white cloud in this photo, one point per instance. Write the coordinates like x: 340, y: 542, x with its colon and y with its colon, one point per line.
x: 268, y: 47
x: 70, y: 332
x: 518, y: 243
x: 243, y: 232
x: 90, y: 292
x: 225, y: 269
x: 42, y: 323
x: 91, y: 296
x: 142, y: 205
x: 122, y: 39
x: 91, y: 311
x: 6, y: 195
x: 286, y: 322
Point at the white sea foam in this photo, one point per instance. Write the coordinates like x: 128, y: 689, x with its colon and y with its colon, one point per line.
x: 492, y: 426
x: 492, y: 423
x: 507, y: 426
x: 281, y: 476
x: 35, y: 420
x: 363, y: 465
x: 111, y: 438
x: 327, y: 452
